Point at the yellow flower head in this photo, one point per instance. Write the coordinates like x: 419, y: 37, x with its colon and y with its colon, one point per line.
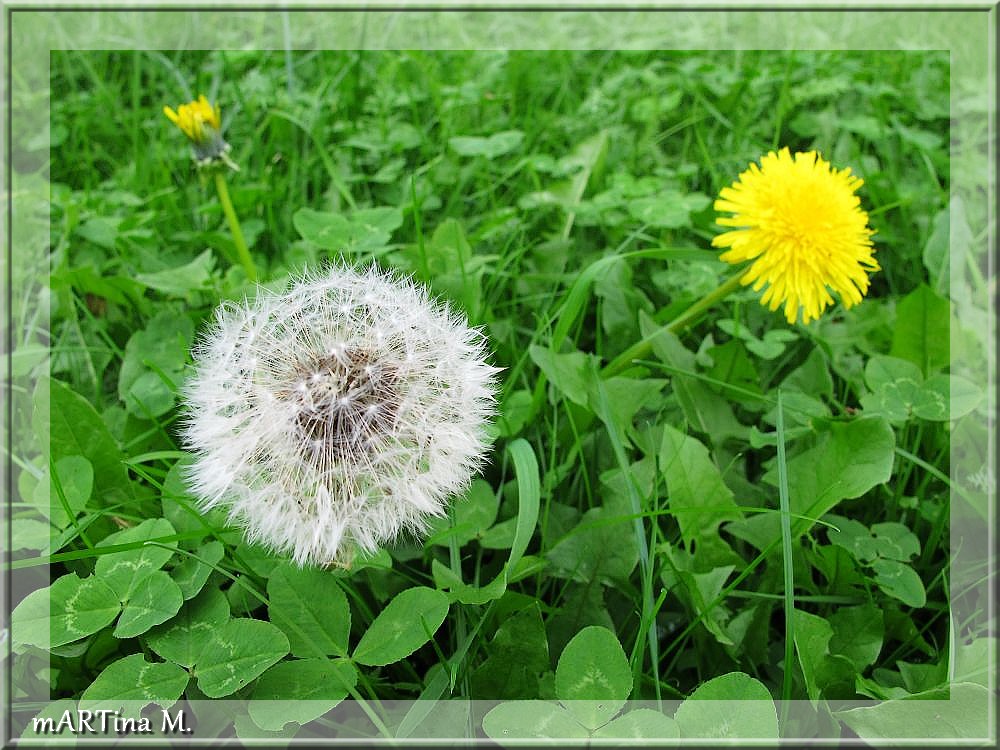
x: 801, y: 224
x: 202, y: 124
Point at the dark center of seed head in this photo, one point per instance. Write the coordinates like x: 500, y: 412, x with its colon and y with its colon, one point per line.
x: 345, y: 398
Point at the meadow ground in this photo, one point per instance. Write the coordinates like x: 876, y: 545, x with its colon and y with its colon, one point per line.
x: 624, y: 540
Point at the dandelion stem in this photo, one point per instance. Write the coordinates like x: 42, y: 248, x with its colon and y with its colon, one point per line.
x: 234, y: 226
x: 641, y: 348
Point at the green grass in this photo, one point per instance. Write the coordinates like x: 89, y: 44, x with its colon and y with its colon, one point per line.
x: 563, y: 201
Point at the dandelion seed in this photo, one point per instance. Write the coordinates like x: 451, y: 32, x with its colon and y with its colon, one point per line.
x: 801, y: 224
x: 328, y: 441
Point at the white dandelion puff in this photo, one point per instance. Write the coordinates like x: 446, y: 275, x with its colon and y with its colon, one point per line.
x: 331, y: 418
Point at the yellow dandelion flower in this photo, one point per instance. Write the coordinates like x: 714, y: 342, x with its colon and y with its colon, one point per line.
x: 201, y: 122
x: 801, y: 224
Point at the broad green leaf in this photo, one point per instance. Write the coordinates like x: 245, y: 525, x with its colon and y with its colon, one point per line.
x: 852, y: 536
x: 958, y: 712
x: 699, y: 499
x: 299, y: 690
x: 155, y: 599
x: 593, y: 676
x: 895, y: 541
x: 329, y: 231
x: 946, y: 397
x: 517, y: 655
x: 669, y: 209
x: 135, y: 679
x: 858, y: 634
x: 75, y: 476
x: 847, y: 461
x: 515, y: 412
x: 819, y: 667
x: 183, y: 638
x: 194, y: 276
x: 406, y: 624
x: 191, y: 574
x: 310, y: 606
x: 882, y: 370
x: 641, y: 724
x: 75, y: 429
x: 238, y: 652
x: 950, y: 239
x: 922, y: 330
x: 362, y: 231
x: 734, y: 706
x: 602, y: 547
x: 29, y: 533
x: 66, y: 611
x: 531, y: 720
x: 703, y: 409
x: 161, y: 347
x: 625, y: 397
x: 489, y: 147
x: 699, y: 590
x: 900, y: 581
x: 474, y: 514
x: 122, y: 571
x: 569, y: 373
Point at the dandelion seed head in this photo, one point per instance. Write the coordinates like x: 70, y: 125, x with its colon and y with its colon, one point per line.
x: 324, y: 432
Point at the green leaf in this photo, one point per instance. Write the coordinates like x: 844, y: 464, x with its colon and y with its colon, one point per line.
x: 489, y: 147
x: 900, y: 581
x: 593, y: 677
x: 641, y: 724
x: 895, y: 541
x: 406, y: 624
x: 669, y: 209
x: 124, y: 570
x: 703, y: 409
x: 238, y: 652
x: 182, y: 639
x: 699, y: 590
x: 300, y: 690
x: 733, y: 706
x: 946, y: 397
x: 160, y: 348
x: 155, y: 599
x: 75, y: 476
x: 699, y: 498
x: 847, y: 461
x: 882, y: 370
x: 958, y: 712
x: 602, y: 547
x: 474, y: 515
x: 819, y: 667
x: 195, y: 276
x: 858, y: 634
x: 192, y: 574
x: 363, y: 231
x: 922, y: 330
x: 66, y: 611
x: 75, y: 429
x: 310, y: 606
x: 531, y: 720
x: 135, y: 679
x: 569, y: 373
x: 517, y: 656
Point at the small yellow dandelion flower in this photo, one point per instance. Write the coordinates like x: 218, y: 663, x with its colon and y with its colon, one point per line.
x: 202, y: 124
x: 801, y: 224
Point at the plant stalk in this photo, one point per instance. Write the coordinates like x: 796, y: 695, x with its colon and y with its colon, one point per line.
x: 234, y: 226
x: 641, y: 348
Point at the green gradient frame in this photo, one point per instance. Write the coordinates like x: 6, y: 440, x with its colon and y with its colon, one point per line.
x: 967, y: 32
